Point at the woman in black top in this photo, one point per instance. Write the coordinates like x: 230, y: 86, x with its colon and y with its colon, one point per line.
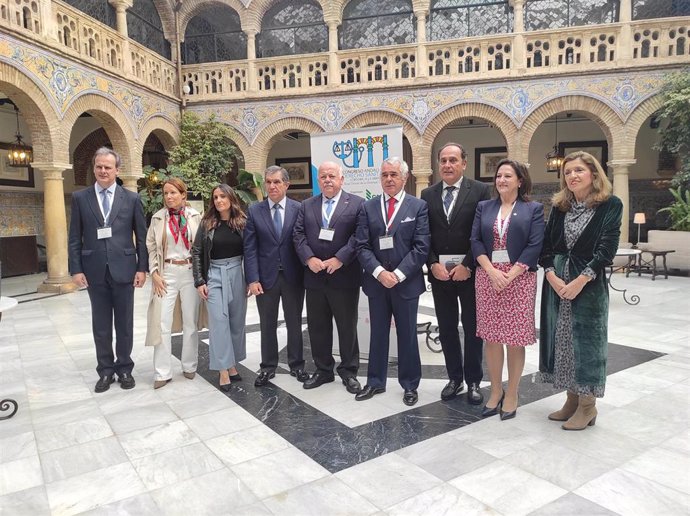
x: 219, y: 278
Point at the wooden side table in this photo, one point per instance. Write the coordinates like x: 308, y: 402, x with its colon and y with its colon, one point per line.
x: 7, y: 303
x: 650, y: 266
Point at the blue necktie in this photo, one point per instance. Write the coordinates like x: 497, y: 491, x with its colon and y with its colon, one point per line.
x: 106, y: 204
x: 329, y: 208
x: 448, y: 199
x: 277, y: 221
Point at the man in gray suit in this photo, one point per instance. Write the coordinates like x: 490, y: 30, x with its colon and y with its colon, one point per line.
x: 324, y: 237
x: 104, y: 258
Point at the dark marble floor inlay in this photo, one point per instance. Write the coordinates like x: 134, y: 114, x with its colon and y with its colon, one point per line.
x: 336, y: 446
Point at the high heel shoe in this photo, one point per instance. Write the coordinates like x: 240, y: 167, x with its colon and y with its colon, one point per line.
x: 225, y: 387
x: 508, y: 415
x: 488, y: 412
x: 235, y: 377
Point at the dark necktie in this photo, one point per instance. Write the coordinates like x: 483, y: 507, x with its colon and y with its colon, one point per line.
x: 277, y: 221
x: 106, y: 204
x: 329, y: 208
x: 391, y: 208
x: 448, y: 199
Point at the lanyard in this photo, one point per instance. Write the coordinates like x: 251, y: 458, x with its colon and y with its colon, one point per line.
x: 384, y: 211
x: 503, y: 224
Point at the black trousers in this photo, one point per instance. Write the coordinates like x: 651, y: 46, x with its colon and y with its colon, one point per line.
x: 446, y: 295
x: 292, y: 297
x: 323, y: 306
x: 111, y: 300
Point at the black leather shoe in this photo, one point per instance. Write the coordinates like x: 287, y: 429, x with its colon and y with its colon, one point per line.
x: 508, y: 415
x: 369, y: 392
x: 352, y: 385
x: 103, y: 383
x: 488, y: 412
x: 300, y: 374
x: 474, y: 395
x: 318, y: 379
x: 451, y: 390
x: 126, y: 381
x: 235, y: 377
x: 263, y: 378
x: 410, y: 397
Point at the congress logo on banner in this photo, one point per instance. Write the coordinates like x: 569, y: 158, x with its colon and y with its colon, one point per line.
x: 360, y: 152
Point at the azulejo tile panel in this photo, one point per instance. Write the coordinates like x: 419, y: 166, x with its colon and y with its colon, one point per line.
x: 22, y: 214
x: 622, y: 93
x: 64, y: 81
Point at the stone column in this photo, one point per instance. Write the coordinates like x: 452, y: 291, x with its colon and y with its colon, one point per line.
x: 422, y: 65
x: 251, y: 60
x: 129, y: 182
x: 55, y: 228
x: 121, y: 7
x: 422, y: 178
x: 518, y: 30
x: 333, y: 74
x: 621, y: 190
x: 625, y: 41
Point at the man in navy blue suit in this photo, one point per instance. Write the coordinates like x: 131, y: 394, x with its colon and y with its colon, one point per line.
x: 274, y: 273
x: 325, y: 243
x: 104, y: 258
x: 393, y: 243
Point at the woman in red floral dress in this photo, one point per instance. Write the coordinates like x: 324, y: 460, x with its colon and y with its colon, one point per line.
x: 507, y: 237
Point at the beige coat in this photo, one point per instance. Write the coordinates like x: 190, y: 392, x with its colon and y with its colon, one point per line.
x: 156, y: 243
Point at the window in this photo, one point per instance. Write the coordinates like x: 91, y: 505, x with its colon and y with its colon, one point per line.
x: 100, y: 10
x: 646, y: 9
x: 214, y: 35
x: 377, y: 23
x: 144, y: 26
x: 553, y: 14
x: 292, y: 28
x: 452, y: 19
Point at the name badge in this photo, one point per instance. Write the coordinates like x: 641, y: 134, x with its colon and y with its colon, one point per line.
x: 327, y: 234
x: 385, y: 242
x: 500, y: 256
x: 105, y: 232
x: 450, y: 261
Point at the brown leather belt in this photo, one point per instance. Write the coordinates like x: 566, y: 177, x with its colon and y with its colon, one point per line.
x: 180, y: 262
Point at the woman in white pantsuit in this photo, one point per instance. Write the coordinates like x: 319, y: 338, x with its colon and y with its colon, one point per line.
x: 219, y: 277
x: 173, y: 295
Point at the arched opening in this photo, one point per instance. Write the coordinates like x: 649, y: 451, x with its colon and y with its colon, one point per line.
x: 291, y: 149
x: 377, y: 23
x: 290, y: 28
x: 213, y: 35
x: 484, y: 144
x: 100, y: 10
x: 144, y: 26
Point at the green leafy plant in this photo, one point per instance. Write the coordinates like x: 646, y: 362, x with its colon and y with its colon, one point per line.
x: 679, y: 210
x: 150, y: 190
x: 249, y: 186
x: 675, y: 132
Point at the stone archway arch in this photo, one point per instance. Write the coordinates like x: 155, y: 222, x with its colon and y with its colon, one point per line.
x: 258, y: 9
x: 167, y: 16
x: 417, y: 5
x: 256, y: 159
x: 190, y: 9
x: 167, y: 132
x: 38, y: 113
x: 116, y: 124
x: 371, y: 118
x: 607, y: 119
x: 638, y: 117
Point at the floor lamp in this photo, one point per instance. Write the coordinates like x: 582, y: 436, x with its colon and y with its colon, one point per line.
x: 639, y: 220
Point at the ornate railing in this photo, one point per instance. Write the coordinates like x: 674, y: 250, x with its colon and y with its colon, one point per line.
x: 73, y: 33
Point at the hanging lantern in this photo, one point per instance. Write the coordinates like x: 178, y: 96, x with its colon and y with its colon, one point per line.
x: 553, y: 159
x: 19, y: 154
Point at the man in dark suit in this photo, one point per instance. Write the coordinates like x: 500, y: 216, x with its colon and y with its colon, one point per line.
x: 452, y: 204
x: 103, y: 257
x: 393, y: 244
x: 324, y: 239
x: 274, y: 273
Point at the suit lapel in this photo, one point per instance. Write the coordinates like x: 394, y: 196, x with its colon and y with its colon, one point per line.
x: 268, y: 219
x: 316, y: 210
x: 437, y: 201
x: 93, y: 204
x: 118, y: 201
x: 288, y: 219
x: 462, y: 195
x: 340, y: 208
x: 402, y: 213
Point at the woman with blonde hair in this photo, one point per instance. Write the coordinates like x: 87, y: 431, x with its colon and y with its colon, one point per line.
x: 173, y: 296
x: 218, y: 275
x: 581, y: 239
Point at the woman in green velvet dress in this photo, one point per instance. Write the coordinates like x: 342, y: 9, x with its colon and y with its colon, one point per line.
x: 581, y: 239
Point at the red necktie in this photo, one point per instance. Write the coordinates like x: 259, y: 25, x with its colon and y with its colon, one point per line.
x: 391, y: 208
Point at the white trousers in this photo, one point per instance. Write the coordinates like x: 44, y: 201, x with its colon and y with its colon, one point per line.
x: 180, y: 281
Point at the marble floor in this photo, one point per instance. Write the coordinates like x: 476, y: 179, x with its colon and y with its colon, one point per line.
x: 189, y: 448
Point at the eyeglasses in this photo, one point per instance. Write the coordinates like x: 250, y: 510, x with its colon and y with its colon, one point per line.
x: 578, y: 170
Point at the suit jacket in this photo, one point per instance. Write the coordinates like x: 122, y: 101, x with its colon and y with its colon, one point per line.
x: 343, y: 246
x: 410, y: 232
x: 525, y: 231
x: 453, y: 237
x: 89, y: 255
x: 264, y: 250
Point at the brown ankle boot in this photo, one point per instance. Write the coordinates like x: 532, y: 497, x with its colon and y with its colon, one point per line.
x: 568, y: 409
x: 585, y: 415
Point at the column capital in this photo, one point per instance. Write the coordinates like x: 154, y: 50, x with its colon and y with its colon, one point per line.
x: 516, y: 3
x: 618, y: 165
x: 47, y: 167
x: 421, y: 12
x: 121, y: 5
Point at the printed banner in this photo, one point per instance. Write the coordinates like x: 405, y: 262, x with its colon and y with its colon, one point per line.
x: 360, y: 152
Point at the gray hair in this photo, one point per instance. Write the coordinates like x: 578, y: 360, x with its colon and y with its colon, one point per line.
x: 338, y: 167
x: 404, y: 169
x: 105, y: 151
x: 274, y: 169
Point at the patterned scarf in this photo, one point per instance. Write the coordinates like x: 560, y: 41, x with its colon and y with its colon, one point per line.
x: 178, y: 225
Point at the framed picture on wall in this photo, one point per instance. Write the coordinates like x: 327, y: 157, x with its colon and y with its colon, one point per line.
x: 485, y: 161
x: 599, y: 149
x: 14, y: 176
x: 299, y: 170
x: 299, y: 195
